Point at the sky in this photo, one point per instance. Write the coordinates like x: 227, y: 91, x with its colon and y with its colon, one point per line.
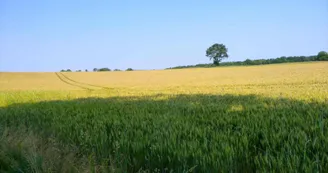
x: 50, y: 35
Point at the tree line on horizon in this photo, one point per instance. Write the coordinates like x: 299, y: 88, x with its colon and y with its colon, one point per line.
x: 218, y: 52
x: 97, y: 70
x: 247, y: 62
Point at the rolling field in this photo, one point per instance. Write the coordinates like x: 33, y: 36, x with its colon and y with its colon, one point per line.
x: 270, y: 118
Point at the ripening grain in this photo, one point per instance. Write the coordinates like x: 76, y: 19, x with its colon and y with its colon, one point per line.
x: 238, y: 119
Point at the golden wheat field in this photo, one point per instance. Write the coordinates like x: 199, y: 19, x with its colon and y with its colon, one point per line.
x: 228, y: 119
x: 297, y: 80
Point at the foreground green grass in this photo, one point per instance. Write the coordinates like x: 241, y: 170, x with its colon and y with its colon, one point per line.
x: 203, y: 133
x: 22, y: 151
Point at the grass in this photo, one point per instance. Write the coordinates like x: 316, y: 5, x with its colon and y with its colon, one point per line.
x: 23, y: 151
x: 236, y: 119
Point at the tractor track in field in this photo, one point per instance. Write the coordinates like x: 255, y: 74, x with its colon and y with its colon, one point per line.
x: 82, y: 83
x: 71, y: 83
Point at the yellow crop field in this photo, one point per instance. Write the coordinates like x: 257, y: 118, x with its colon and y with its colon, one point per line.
x: 238, y: 119
x: 297, y: 80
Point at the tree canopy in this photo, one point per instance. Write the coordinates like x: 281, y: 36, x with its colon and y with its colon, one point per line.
x: 104, y: 69
x: 217, y: 52
x: 322, y: 56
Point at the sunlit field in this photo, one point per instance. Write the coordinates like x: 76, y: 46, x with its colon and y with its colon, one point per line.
x: 269, y: 118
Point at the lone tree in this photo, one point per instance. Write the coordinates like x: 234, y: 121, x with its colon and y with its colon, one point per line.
x: 217, y: 52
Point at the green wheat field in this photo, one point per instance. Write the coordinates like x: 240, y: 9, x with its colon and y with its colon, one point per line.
x: 269, y: 118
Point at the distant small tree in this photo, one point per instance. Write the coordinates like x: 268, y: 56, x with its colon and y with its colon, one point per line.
x: 217, y: 52
x: 117, y: 70
x: 62, y: 70
x: 129, y: 69
x: 95, y: 69
x: 68, y: 70
x: 86, y: 70
x: 78, y: 70
x: 322, y: 56
x: 104, y: 69
x: 248, y: 62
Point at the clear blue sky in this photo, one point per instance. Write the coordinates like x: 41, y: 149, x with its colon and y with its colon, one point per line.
x: 50, y: 35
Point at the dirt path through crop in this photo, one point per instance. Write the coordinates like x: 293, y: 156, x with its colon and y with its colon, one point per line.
x: 82, y: 83
x: 62, y: 78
